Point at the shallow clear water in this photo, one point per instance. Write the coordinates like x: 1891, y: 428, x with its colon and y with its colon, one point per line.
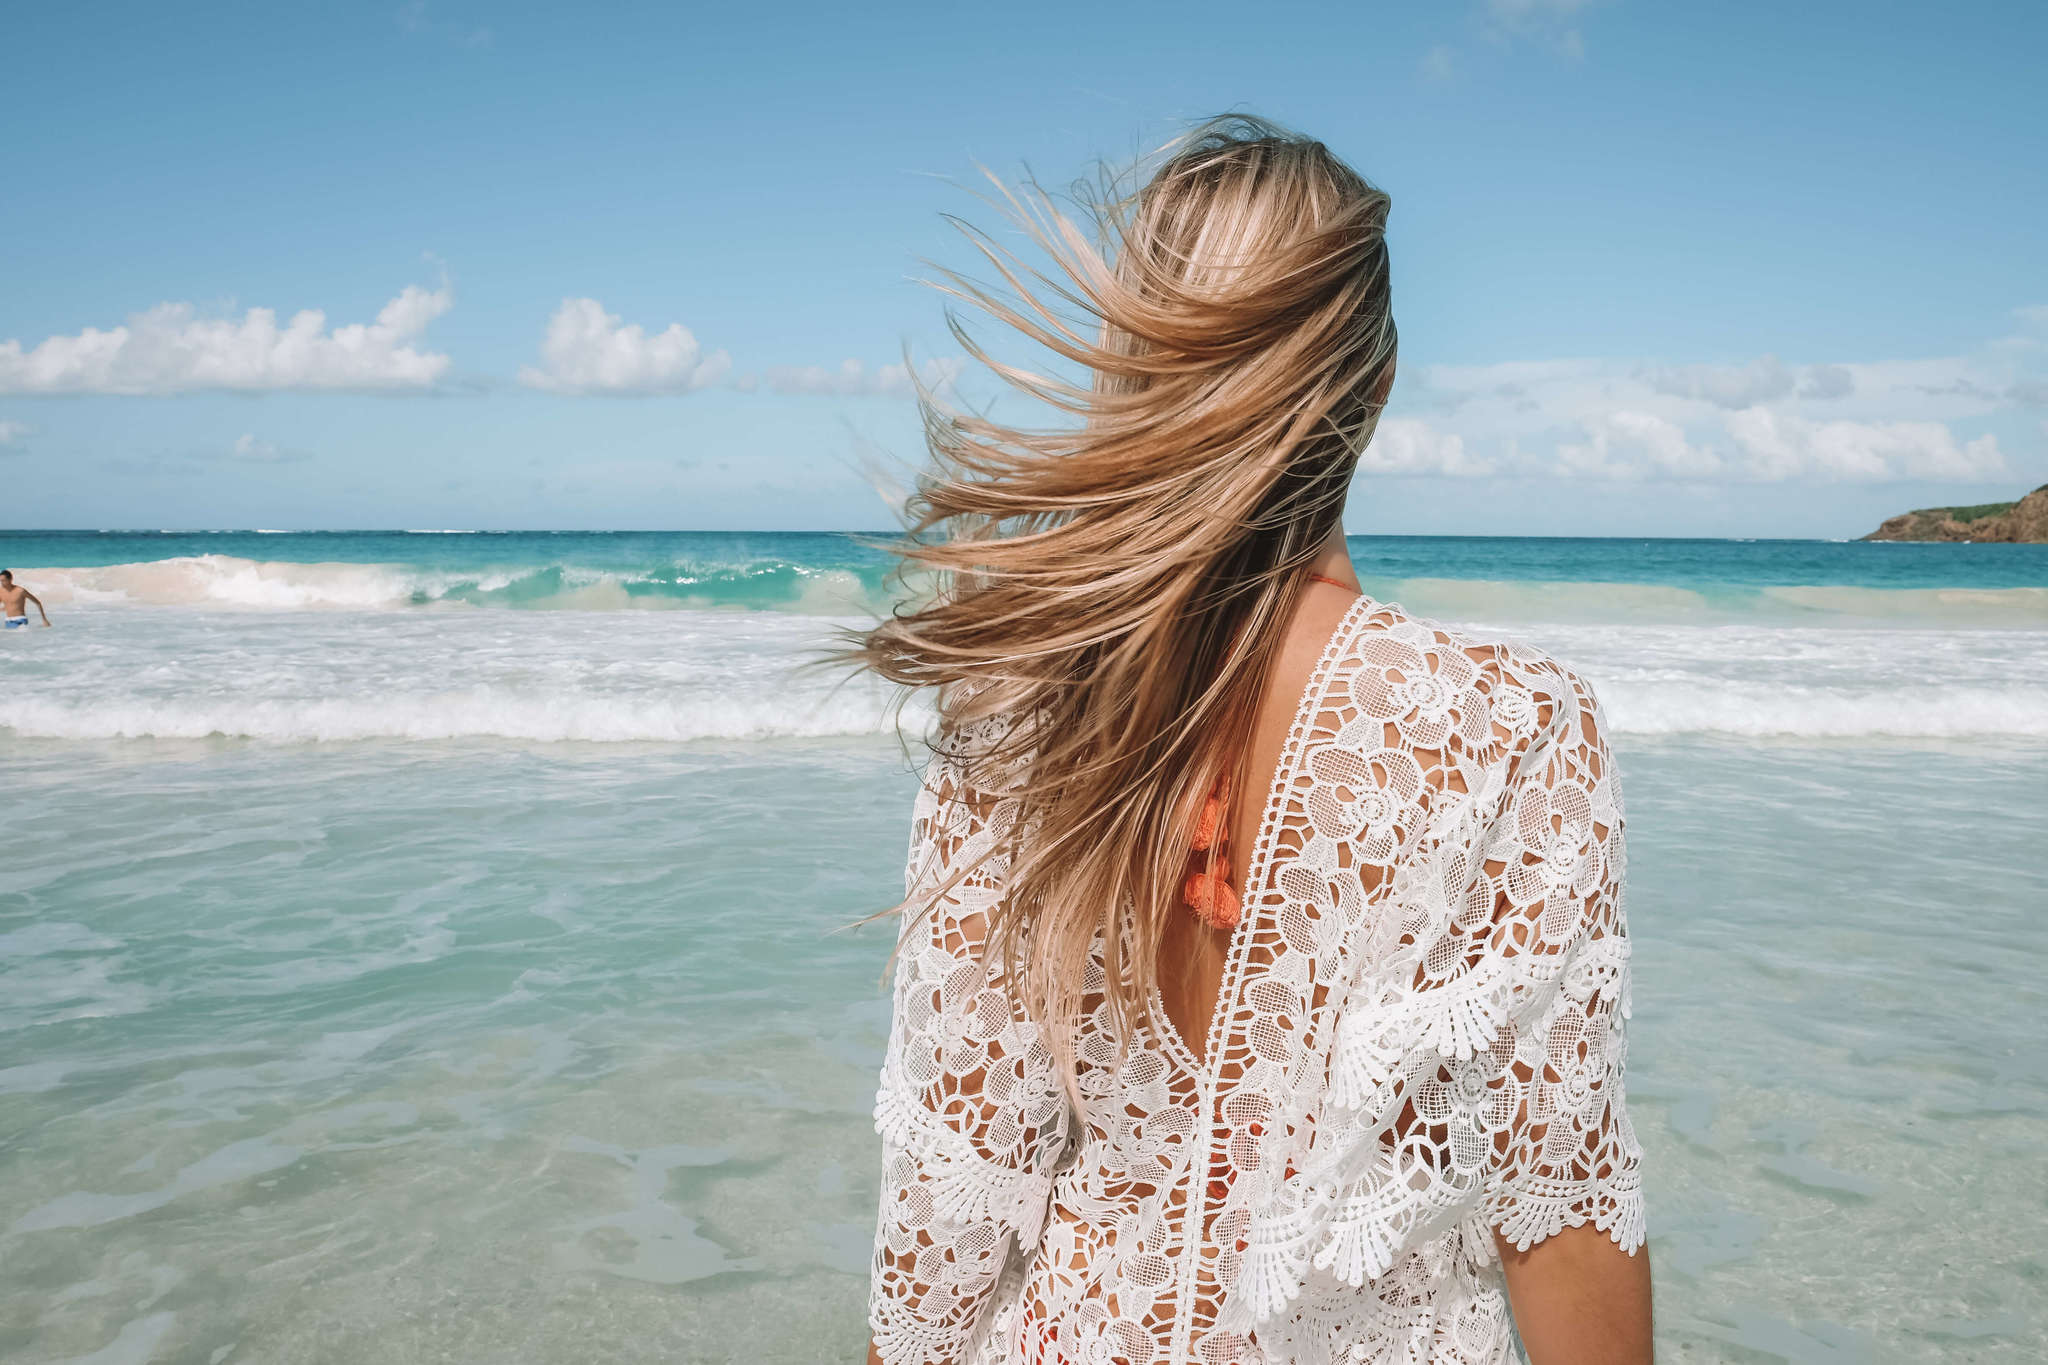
x: 433, y: 983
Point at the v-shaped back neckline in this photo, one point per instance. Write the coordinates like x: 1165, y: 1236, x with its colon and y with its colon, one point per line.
x: 1258, y: 867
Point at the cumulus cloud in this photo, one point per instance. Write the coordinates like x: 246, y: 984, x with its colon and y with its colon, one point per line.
x: 1760, y: 420
x: 13, y: 433
x: 1776, y: 445
x: 851, y: 378
x: 1768, y: 445
x: 588, y: 351
x: 1763, y: 444
x: 1635, y: 445
x: 172, y: 349
x: 1406, y: 446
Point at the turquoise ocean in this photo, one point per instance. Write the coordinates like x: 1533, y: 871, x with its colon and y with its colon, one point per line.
x: 434, y: 947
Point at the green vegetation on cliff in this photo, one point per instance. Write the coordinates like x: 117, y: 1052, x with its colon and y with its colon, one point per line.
x: 2025, y: 519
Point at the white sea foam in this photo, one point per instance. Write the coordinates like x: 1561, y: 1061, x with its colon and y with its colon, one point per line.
x: 232, y: 582
x: 481, y: 713
x: 228, y: 581
x: 1681, y: 708
x: 128, y: 673
x: 469, y: 714
x: 119, y: 672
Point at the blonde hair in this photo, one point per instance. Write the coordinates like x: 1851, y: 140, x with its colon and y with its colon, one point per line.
x: 1117, y: 586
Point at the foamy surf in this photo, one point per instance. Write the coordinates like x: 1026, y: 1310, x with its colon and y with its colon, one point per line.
x: 488, y: 713
x: 337, y: 676
x: 479, y: 714
x: 232, y: 582
x: 472, y: 713
x: 227, y: 581
x: 1825, y: 713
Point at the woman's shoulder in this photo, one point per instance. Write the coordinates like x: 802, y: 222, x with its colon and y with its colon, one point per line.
x: 1476, y: 690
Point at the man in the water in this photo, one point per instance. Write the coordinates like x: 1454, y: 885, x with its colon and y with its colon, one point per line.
x: 14, y: 602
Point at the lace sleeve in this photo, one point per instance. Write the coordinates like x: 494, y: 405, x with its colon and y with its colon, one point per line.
x: 972, y: 1115
x: 1477, y: 1068
x: 1554, y: 871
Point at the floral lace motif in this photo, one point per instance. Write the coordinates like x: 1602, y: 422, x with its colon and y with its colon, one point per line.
x: 1420, y: 1045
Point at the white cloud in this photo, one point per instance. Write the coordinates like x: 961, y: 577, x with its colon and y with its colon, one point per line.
x: 1405, y: 446
x: 1763, y: 444
x: 587, y: 351
x: 13, y: 433
x: 1775, y: 445
x: 852, y: 378
x: 171, y: 349
x: 1761, y: 420
x: 1635, y: 445
x: 1439, y: 64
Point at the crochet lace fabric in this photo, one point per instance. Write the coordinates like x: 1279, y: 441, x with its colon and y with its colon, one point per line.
x: 1418, y: 1043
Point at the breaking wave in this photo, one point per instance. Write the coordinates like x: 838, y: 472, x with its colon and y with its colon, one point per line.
x: 775, y: 584
x: 228, y: 581
x: 568, y: 637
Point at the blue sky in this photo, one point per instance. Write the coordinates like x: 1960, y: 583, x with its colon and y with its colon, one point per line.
x: 1740, y: 269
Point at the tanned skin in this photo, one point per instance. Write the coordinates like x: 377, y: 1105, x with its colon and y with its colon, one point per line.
x: 14, y: 598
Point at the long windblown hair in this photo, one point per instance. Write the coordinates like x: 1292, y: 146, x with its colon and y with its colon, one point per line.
x: 1117, y: 585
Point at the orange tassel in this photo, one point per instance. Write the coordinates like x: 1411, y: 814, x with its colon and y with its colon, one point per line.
x: 1209, y: 893
x: 1205, y: 829
x: 1210, y: 896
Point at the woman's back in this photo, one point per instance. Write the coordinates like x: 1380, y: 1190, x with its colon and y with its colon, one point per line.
x: 1197, y: 950
x: 1417, y: 1044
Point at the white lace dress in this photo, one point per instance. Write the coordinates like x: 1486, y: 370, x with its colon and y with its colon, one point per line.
x: 1419, y: 1041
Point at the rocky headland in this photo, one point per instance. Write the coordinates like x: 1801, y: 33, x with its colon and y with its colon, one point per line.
x: 2023, y: 521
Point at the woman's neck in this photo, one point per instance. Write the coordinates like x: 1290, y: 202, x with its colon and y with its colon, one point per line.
x: 1334, y: 561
